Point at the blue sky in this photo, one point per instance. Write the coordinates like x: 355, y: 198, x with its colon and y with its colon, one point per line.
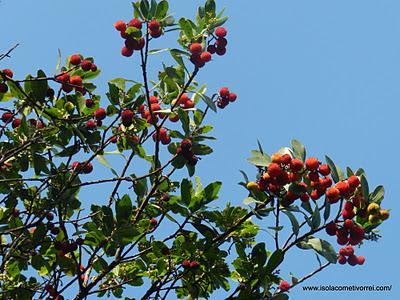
x: 323, y: 72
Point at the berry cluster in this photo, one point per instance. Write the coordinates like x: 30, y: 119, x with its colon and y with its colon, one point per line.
x: 3, y: 86
x: 82, y: 167
x: 346, y: 254
x: 349, y: 233
x: 184, y: 102
x: 7, y: 117
x: 155, y: 107
x: 374, y: 213
x: 185, y: 150
x: 65, y: 247
x: 75, y: 81
x: 187, y: 264
x: 225, y: 97
x: 52, y: 292
x: 165, y: 139
x: 219, y: 47
x: 199, y: 57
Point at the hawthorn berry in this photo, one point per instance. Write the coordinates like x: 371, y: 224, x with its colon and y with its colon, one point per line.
x: 75, y: 59
x: 221, y: 32
x: 343, y: 187
x: 342, y: 260
x: 333, y: 195
x: 360, y: 260
x: 353, y: 182
x: 296, y: 165
x: 154, y: 25
x: 232, y: 97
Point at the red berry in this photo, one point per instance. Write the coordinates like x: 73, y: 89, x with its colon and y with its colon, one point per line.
x: 93, y: 68
x: 343, y: 187
x: 154, y: 25
x: 75, y: 59
x: 342, y: 260
x: 284, y: 286
x: 55, y: 230
x: 174, y: 117
x: 224, y: 92
x: 212, y: 49
x: 120, y: 25
x: 327, y: 182
x: 342, y: 240
x: 7, y: 117
x: 156, y: 34
x: 89, y: 103
x: 221, y: 51
x: 75, y: 165
x: 348, y: 205
x: 333, y: 195
x: 194, y: 264
x: 88, y: 168
x: 153, y: 99
x: 153, y: 221
x: 100, y: 114
x: 127, y: 117
x: 16, y: 123
x: 165, y: 140
x: 186, y: 263
x: 349, y: 250
x: 90, y: 125
x: 353, y: 182
x: 221, y: 32
x: 274, y: 170
x: 348, y: 224
x: 8, y: 73
x: 63, y: 77
x: 305, y: 197
x: 50, y: 289
x: 125, y: 51
x: 324, y: 170
x: 221, y: 42
x: 205, y: 56
x: 296, y: 165
x: 135, y: 23
x: 3, y: 88
x: 348, y: 214
x: 50, y: 216
x: 232, y: 97
x: 196, y: 48
x: 86, y: 65
x: 352, y: 260
x: 76, y: 80
x: 360, y: 260
x: 312, y: 164
x: 189, y: 104
x: 59, y: 297
x: 313, y: 176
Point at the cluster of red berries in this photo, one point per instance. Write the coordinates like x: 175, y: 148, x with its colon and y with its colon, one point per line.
x: 346, y: 254
x: 75, y: 82
x: 185, y: 150
x: 165, y: 139
x: 155, y: 107
x: 8, y: 117
x: 114, y: 139
x: 65, y: 247
x: 219, y: 46
x: 225, y: 97
x: 350, y: 233
x: 52, y: 292
x: 199, y: 57
x: 82, y: 167
x: 187, y: 264
x: 131, y: 44
x: 3, y: 85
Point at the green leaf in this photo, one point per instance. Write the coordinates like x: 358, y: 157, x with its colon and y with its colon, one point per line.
x: 123, y: 208
x: 210, y: 103
x: 259, y: 255
x: 378, y: 194
x: 186, y: 27
x: 322, y: 247
x: 275, y: 260
x: 293, y: 220
x: 299, y: 150
x: 327, y: 210
x: 250, y: 200
x: 162, y: 9
x: 332, y: 166
x: 210, y: 8
x: 210, y: 193
x: 364, y: 186
x: 145, y: 9
x: 316, y: 218
x: 186, y: 191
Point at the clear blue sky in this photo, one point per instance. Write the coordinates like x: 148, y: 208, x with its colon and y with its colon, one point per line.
x: 324, y: 72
